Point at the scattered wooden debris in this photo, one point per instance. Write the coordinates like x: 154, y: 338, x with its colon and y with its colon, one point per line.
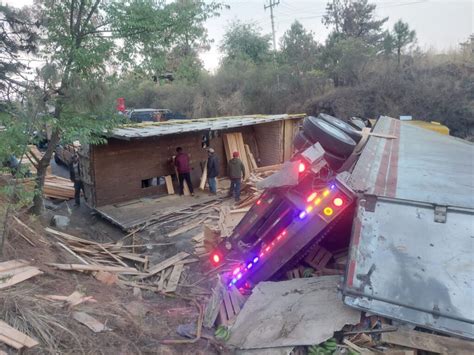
x: 185, y: 228
x: 72, y: 300
x: 232, y: 302
x: 428, y: 342
x: 107, y: 257
x: 15, y: 271
x: 174, y: 278
x: 164, y: 265
x: 15, y: 338
x: 90, y: 322
x: 318, y: 258
x: 81, y: 267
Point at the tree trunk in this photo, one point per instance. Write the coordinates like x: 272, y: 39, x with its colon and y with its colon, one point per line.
x: 399, y: 54
x: 38, y: 205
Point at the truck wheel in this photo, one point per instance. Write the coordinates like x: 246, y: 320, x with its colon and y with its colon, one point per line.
x: 301, y: 142
x: 333, y: 161
x: 343, y: 126
x: 357, y: 123
x: 330, y: 137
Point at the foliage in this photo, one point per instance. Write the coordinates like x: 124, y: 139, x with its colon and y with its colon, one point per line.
x: 17, y: 35
x: 354, y: 19
x: 298, y: 49
x: 245, y: 42
x: 398, y: 39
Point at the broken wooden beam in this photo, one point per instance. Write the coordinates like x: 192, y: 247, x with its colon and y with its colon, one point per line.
x: 14, y: 337
x: 429, y: 342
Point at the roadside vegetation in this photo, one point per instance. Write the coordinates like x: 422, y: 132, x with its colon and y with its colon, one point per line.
x: 91, y: 52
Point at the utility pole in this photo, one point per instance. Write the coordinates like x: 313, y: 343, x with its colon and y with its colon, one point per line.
x: 271, y: 5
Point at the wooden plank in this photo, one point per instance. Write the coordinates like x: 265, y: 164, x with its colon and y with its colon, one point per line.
x: 165, y: 264
x: 11, y: 342
x: 263, y: 169
x: 429, y: 342
x: 202, y: 183
x: 288, y: 135
x: 169, y: 184
x: 90, y: 322
x: 65, y: 247
x: 12, y: 264
x: 250, y: 157
x: 16, y: 337
x: 134, y: 257
x: 240, y: 210
x: 174, y: 278
x: 27, y: 273
x: 80, y: 267
x: 69, y: 237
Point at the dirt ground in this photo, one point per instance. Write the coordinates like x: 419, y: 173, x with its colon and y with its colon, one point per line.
x: 140, y: 323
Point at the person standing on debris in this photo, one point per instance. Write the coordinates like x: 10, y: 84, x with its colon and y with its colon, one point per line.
x: 181, y: 161
x: 75, y: 176
x: 212, y: 170
x: 236, y: 172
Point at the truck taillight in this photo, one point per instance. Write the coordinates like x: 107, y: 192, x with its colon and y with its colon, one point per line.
x: 216, y: 258
x: 301, y: 167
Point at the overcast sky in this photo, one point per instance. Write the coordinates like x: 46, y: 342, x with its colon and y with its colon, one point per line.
x: 439, y: 24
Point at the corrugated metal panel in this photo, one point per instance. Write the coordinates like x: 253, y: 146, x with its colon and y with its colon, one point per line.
x: 419, y: 165
x: 406, y: 266
x: 203, y: 124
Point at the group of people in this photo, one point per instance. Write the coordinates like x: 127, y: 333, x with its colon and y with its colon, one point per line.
x: 235, y: 170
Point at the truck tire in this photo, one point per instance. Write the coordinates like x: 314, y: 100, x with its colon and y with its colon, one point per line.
x: 330, y: 137
x: 357, y: 123
x: 301, y: 142
x: 333, y: 161
x: 343, y: 126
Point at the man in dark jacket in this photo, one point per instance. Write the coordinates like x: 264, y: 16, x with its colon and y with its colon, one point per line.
x: 181, y: 161
x: 236, y: 172
x: 75, y: 176
x: 212, y: 170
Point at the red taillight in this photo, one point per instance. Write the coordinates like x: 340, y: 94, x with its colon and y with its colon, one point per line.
x: 301, y: 167
x: 259, y: 202
x: 216, y: 258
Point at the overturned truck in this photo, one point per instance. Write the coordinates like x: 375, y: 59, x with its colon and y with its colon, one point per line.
x: 404, y: 196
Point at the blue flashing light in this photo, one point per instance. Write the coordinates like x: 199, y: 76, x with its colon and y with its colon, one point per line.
x: 249, y: 266
x: 333, y: 187
x: 255, y: 259
x: 234, y: 280
x: 302, y: 214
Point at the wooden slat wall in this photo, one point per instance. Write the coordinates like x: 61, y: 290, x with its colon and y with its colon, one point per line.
x: 117, y: 168
x: 270, y: 143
